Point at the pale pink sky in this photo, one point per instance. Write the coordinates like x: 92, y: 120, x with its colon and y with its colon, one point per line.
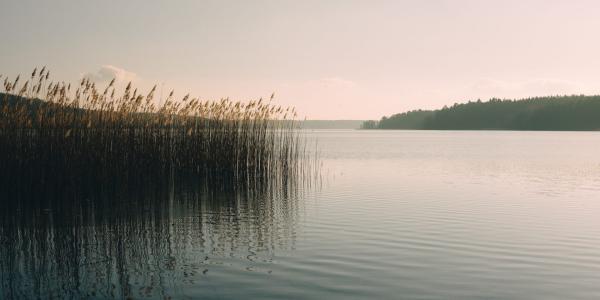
x: 330, y: 59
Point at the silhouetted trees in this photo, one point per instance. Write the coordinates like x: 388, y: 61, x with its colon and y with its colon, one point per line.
x: 409, y: 120
x: 576, y: 112
x: 370, y: 124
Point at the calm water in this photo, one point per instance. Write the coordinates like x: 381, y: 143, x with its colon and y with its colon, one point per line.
x: 396, y: 215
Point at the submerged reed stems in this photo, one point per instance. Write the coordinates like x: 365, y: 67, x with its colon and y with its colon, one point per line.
x: 50, y: 129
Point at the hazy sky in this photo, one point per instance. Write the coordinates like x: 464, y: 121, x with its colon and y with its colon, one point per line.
x: 330, y: 59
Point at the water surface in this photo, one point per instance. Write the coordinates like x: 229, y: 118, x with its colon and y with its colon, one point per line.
x: 396, y: 215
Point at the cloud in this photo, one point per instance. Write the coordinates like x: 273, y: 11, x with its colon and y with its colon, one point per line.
x: 107, y: 72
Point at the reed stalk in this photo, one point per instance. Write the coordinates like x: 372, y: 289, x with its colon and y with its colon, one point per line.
x: 51, y: 129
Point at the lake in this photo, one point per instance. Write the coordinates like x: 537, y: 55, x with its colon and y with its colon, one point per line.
x: 392, y: 215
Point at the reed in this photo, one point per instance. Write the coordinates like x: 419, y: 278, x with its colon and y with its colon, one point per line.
x: 51, y: 129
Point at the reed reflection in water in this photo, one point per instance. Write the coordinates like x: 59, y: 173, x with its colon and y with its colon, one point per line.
x: 138, y: 240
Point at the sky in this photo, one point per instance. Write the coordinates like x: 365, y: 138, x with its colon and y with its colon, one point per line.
x: 331, y: 59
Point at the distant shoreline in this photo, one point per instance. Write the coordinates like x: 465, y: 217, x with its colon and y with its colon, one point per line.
x: 553, y: 113
x: 331, y: 124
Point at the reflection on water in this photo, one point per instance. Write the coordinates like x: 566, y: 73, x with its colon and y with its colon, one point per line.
x: 137, y: 240
x: 400, y: 215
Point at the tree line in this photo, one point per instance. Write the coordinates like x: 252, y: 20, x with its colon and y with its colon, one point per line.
x: 575, y: 112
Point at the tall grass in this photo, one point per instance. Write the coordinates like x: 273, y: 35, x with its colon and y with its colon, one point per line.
x: 51, y: 129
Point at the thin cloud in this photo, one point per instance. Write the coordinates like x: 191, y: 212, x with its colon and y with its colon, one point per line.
x: 107, y: 73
